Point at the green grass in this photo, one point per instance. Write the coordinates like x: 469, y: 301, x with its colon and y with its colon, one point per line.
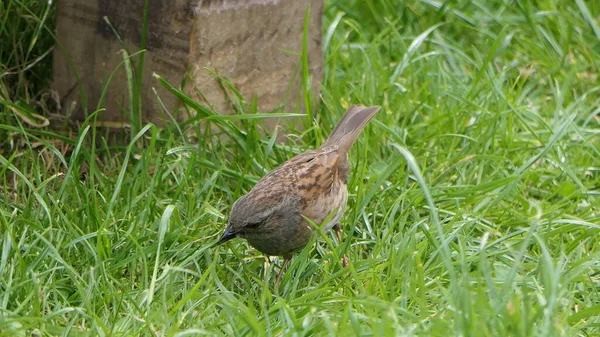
x: 474, y: 194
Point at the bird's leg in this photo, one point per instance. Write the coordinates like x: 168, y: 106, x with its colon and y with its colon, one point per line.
x: 286, y: 259
x: 266, y: 265
x: 338, y: 233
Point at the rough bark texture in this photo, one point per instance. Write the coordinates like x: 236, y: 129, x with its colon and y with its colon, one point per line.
x: 254, y: 43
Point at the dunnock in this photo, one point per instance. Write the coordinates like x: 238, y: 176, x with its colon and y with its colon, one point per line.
x: 311, y: 185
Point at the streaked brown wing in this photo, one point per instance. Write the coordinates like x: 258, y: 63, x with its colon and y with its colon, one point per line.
x: 310, y: 172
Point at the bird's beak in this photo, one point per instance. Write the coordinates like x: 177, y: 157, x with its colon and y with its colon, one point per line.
x: 227, y: 235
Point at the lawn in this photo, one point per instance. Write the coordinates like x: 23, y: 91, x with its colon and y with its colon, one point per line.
x: 474, y: 193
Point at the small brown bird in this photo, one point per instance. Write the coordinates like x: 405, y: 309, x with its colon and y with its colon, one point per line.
x: 311, y: 185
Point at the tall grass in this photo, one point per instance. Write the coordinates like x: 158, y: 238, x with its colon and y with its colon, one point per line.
x: 473, y: 194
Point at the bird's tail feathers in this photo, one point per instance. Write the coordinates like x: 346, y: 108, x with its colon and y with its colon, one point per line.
x: 350, y: 126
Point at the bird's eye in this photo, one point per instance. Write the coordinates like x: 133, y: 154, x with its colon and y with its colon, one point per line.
x: 253, y: 225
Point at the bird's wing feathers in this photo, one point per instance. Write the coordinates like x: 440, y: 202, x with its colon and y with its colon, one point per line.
x: 310, y: 170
